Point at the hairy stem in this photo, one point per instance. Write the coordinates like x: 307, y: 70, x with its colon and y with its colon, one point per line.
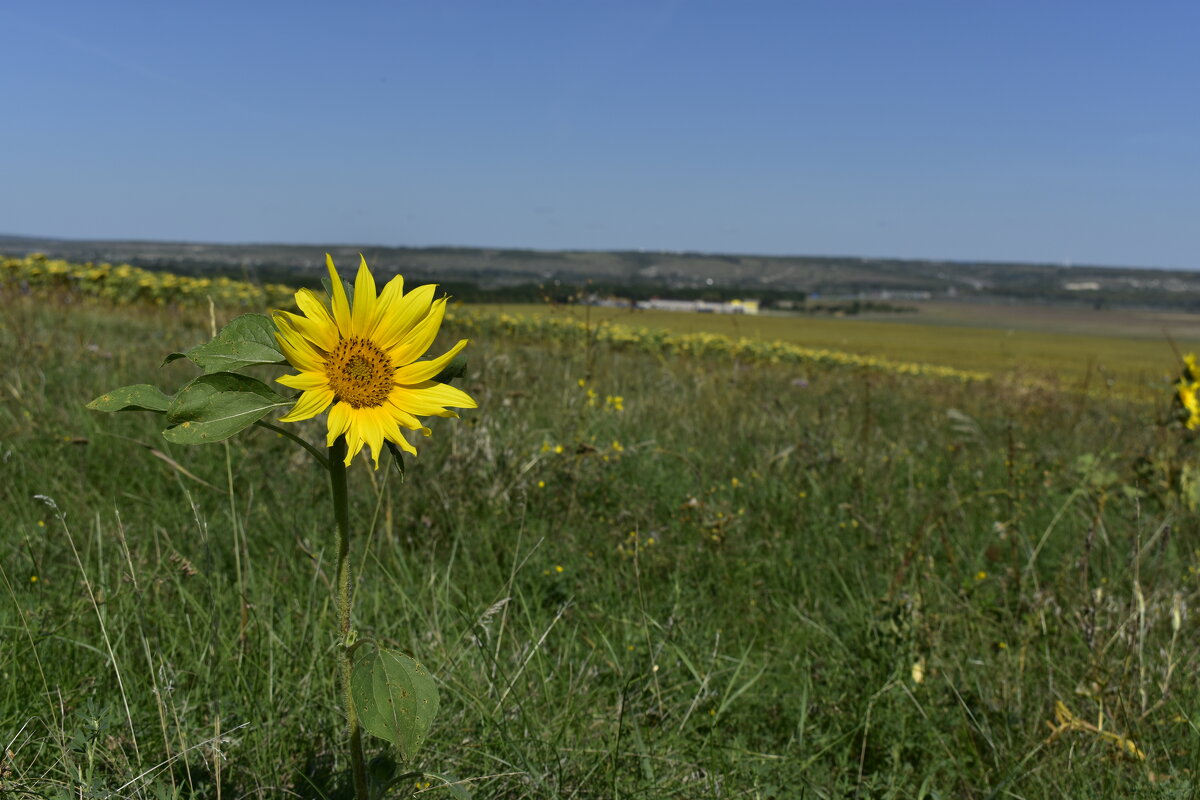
x: 314, y: 452
x: 345, y: 596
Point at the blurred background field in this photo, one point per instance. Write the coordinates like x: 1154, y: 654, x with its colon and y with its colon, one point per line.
x: 634, y: 576
x: 1128, y: 351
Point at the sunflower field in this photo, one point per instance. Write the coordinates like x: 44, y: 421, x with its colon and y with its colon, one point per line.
x: 649, y: 564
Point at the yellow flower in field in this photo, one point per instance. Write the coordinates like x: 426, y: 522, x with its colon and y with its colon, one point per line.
x: 1190, y: 402
x: 1186, y: 389
x: 362, y: 359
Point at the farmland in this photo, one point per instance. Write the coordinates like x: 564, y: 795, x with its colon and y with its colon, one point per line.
x: 1131, y: 352
x: 761, y: 572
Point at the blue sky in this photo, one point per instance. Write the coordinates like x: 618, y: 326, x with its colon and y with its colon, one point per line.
x: 1032, y: 131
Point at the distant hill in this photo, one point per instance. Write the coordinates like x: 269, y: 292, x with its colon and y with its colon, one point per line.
x: 493, y: 270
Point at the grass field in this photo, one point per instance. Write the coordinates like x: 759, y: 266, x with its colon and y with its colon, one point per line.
x: 1122, y: 349
x: 753, y: 581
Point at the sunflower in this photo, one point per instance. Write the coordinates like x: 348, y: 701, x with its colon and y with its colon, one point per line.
x: 1187, y: 392
x: 362, y: 359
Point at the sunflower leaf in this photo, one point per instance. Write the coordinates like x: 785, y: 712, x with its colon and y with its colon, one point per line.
x: 347, y: 285
x: 397, y: 456
x: 216, y: 406
x: 246, y: 341
x: 457, y: 368
x: 139, y: 397
x: 395, y: 698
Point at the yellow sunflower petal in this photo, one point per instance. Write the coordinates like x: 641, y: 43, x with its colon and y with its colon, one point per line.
x: 373, y: 431
x: 392, y: 433
x: 298, y: 351
x: 430, y: 398
x: 362, y: 316
x: 354, y: 444
x: 324, y: 337
x: 399, y: 319
x: 309, y: 405
x: 339, y: 422
x: 341, y: 306
x: 305, y: 381
x: 403, y: 443
x: 446, y: 395
x: 417, y: 341
x: 392, y: 292
x: 313, y: 308
x: 419, y: 371
x: 402, y: 417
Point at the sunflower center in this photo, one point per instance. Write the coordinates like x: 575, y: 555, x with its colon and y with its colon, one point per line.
x: 360, y: 373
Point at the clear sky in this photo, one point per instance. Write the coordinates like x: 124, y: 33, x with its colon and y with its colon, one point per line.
x: 1031, y: 130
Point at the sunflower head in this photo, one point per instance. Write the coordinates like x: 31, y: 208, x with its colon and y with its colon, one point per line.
x: 361, y: 361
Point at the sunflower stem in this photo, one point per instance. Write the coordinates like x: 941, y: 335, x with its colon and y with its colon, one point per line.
x: 341, y: 512
x: 314, y: 452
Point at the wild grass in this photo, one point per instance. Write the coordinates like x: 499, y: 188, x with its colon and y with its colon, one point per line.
x: 752, y: 582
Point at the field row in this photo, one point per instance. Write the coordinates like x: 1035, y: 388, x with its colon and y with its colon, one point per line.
x: 1106, y: 352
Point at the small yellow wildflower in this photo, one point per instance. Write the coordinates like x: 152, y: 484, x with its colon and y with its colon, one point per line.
x: 617, y: 446
x: 541, y: 484
x: 558, y: 448
x: 558, y: 568
x: 981, y: 575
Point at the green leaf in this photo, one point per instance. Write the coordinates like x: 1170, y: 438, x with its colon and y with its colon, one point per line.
x: 139, y: 397
x: 215, y: 407
x: 457, y: 368
x: 395, y: 698
x: 347, y: 285
x: 247, y: 340
x: 397, y: 456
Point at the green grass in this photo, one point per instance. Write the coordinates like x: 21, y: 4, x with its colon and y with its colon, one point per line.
x: 746, y: 583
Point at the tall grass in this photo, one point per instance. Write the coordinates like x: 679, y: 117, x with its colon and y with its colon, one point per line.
x: 752, y: 582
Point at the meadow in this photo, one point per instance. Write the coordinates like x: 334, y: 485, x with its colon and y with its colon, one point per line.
x: 634, y: 573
